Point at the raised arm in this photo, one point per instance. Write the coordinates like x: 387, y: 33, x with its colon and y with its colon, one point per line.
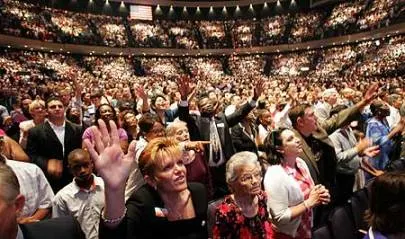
x: 140, y: 93
x: 184, y: 85
x: 114, y: 167
x: 344, y: 117
x: 243, y: 111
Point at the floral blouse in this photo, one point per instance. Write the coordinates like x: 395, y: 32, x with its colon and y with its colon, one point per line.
x: 231, y: 223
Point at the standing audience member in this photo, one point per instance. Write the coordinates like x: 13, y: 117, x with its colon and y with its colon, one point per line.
x: 243, y: 214
x: 322, y: 111
x: 37, y: 192
x: 12, y: 203
x: 318, y: 150
x: 350, y: 153
x: 394, y: 103
x: 193, y: 155
x: 380, y: 133
x: 264, y: 122
x: 150, y: 127
x: 49, y: 144
x: 106, y: 112
x: 130, y: 125
x: 387, y: 207
x: 38, y: 113
x: 214, y: 126
x: 244, y: 135
x: 83, y: 198
x: 165, y: 207
x: 292, y: 192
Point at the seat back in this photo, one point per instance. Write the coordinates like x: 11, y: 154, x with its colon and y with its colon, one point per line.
x: 322, y: 233
x: 359, y: 203
x: 212, y: 205
x: 341, y: 223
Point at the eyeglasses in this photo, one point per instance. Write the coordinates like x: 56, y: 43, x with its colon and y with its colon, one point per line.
x: 249, y: 177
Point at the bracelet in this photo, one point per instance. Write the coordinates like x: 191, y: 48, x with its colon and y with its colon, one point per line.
x: 114, y: 220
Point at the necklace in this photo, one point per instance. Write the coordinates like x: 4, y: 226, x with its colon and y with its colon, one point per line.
x: 177, y: 212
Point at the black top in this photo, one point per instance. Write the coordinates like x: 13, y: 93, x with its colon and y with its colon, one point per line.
x: 141, y: 220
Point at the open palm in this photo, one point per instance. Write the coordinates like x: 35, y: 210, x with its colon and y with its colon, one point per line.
x: 108, y: 157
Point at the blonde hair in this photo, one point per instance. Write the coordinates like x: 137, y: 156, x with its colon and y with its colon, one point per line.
x: 35, y: 104
x: 173, y: 127
x: 151, y: 158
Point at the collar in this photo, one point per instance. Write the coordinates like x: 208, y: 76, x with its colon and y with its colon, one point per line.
x: 20, y: 235
x: 97, y: 184
x: 53, y: 126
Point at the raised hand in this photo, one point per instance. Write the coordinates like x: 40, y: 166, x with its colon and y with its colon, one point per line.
x: 259, y: 88
x: 371, y: 93
x: 183, y: 84
x: 140, y: 92
x: 109, y: 159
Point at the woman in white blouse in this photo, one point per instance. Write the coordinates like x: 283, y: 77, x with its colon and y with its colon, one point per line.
x: 291, y: 190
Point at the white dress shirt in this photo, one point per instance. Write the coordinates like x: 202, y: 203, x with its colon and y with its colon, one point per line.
x: 33, y: 185
x: 60, y: 133
x: 84, y: 205
x: 394, y: 117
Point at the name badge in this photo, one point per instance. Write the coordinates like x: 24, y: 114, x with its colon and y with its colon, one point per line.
x: 220, y: 125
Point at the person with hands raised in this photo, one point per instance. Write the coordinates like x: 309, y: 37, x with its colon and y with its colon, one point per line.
x: 214, y: 126
x: 291, y: 190
x: 165, y: 207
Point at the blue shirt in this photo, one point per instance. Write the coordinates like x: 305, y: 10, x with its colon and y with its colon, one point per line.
x: 378, y: 132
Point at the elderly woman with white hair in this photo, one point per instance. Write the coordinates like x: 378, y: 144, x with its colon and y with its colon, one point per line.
x: 243, y: 214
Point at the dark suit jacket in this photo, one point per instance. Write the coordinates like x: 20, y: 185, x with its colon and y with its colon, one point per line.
x: 242, y: 141
x: 141, y: 221
x: 43, y: 144
x: 199, y: 126
x: 199, y: 129
x: 60, y: 228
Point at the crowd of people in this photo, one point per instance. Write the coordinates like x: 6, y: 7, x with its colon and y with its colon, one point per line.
x: 54, y: 25
x: 122, y: 149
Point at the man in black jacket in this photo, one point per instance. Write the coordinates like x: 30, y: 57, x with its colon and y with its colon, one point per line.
x: 214, y: 126
x: 48, y: 144
x: 11, y: 204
